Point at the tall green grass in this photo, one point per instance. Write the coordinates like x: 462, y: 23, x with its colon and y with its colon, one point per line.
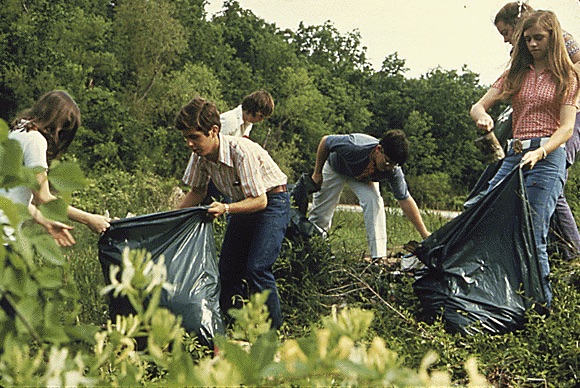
x: 313, y: 276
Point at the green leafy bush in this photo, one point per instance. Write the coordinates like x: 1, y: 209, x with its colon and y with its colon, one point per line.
x: 120, y: 192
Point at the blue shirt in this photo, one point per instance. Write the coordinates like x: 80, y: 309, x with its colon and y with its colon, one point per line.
x: 351, y: 154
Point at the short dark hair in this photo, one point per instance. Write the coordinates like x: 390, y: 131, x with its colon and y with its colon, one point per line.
x: 395, y: 146
x: 260, y: 101
x: 198, y: 114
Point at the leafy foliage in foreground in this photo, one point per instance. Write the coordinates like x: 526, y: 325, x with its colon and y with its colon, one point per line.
x: 335, y: 353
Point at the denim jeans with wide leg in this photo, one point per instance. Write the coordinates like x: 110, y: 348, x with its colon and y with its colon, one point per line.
x: 567, y: 231
x: 565, y: 222
x: 543, y: 183
x: 251, y: 245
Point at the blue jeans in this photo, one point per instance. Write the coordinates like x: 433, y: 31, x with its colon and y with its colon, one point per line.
x: 544, y: 184
x: 567, y: 236
x: 251, y: 245
x: 565, y: 222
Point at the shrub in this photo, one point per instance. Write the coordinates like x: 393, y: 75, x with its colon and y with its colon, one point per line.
x: 120, y: 193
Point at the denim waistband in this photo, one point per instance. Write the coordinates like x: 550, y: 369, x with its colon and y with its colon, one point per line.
x: 532, y: 143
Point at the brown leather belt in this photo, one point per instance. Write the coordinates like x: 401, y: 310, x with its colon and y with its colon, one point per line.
x: 278, y: 189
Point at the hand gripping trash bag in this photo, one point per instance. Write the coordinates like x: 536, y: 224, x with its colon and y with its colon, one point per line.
x: 185, y: 238
x: 482, y: 267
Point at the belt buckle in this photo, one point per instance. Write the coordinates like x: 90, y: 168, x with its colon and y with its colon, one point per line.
x: 517, y: 146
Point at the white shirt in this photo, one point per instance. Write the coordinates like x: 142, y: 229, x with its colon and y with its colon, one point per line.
x: 233, y: 123
x: 34, y: 148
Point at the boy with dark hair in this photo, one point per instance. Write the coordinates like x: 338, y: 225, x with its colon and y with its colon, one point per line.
x: 255, y: 107
x: 361, y: 161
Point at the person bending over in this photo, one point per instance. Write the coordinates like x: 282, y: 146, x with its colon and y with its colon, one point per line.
x: 361, y: 162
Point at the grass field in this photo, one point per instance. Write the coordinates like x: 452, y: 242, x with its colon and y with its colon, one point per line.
x: 546, y: 353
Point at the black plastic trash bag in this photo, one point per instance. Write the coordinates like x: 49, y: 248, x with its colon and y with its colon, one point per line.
x: 301, y: 191
x: 502, y: 131
x: 300, y: 226
x: 185, y: 238
x: 503, y: 126
x: 482, y: 266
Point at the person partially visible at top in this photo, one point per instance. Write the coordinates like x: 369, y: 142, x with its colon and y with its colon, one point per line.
x: 507, y: 18
x: 506, y: 22
x: 542, y: 85
x: 44, y: 132
x: 361, y: 162
x: 255, y: 107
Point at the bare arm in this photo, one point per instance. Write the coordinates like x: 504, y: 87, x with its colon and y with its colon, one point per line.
x: 479, y: 110
x: 193, y: 197
x: 247, y: 205
x: 321, y: 156
x: 411, y: 211
x: 57, y: 230
x: 96, y: 222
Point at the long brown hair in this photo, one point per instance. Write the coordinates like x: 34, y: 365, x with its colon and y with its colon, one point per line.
x: 57, y: 117
x: 559, y: 63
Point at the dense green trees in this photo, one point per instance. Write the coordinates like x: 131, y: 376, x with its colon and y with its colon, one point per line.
x: 131, y: 64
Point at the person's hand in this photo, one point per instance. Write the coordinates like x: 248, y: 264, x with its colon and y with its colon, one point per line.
x: 317, y: 179
x: 98, y: 223
x: 532, y: 157
x: 60, y: 233
x: 484, y: 122
x: 217, y: 209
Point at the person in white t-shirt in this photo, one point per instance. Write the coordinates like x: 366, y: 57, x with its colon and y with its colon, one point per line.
x: 44, y: 132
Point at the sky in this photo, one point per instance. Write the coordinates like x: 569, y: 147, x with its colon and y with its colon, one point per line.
x: 425, y: 33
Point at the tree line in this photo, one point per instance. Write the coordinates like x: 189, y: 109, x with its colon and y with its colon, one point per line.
x: 131, y: 64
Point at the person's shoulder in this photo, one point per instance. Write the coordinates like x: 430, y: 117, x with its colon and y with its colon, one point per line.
x: 395, y: 174
x: 363, y: 140
x: 27, y: 136
x: 351, y: 137
x: 232, y: 141
x: 352, y: 140
x: 241, y: 142
x: 232, y: 113
x: 364, y: 136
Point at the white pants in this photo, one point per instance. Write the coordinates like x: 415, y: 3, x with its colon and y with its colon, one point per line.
x: 369, y: 197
